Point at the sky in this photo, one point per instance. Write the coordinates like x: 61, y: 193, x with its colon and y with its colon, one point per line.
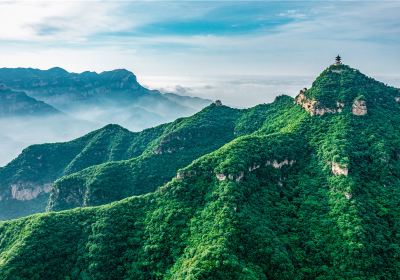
x: 244, y: 52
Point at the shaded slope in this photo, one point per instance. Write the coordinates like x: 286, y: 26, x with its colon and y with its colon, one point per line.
x: 182, y: 142
x: 26, y: 181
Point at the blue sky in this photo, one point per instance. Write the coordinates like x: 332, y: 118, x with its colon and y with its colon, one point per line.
x: 201, y: 38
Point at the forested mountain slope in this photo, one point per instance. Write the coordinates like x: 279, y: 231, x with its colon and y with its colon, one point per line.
x: 182, y: 142
x: 312, y: 194
x: 156, y: 154
x: 26, y: 181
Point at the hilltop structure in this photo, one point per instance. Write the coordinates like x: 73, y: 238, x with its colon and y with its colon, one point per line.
x: 338, y: 60
x: 218, y: 102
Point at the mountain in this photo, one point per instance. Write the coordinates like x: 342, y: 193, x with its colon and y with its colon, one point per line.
x: 155, y: 156
x: 117, y: 88
x: 61, y: 87
x: 17, y: 104
x: 26, y: 181
x: 88, y: 101
x: 181, y: 143
x: 312, y: 193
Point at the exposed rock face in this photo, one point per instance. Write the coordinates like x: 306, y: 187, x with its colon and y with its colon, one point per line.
x: 28, y: 192
x: 339, y: 106
x: 278, y: 165
x: 313, y: 106
x: 254, y: 167
x: 168, y: 144
x: 221, y: 177
x: 185, y: 174
x: 238, y: 177
x: 307, y: 104
x: 182, y: 174
x: 338, y: 169
x: 160, y: 151
x: 397, y: 99
x: 233, y: 177
x: 348, y: 195
x: 359, y: 108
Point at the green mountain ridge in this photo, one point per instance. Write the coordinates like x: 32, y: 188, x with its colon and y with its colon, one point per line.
x: 26, y: 181
x: 311, y: 193
x: 182, y: 142
x: 149, y: 159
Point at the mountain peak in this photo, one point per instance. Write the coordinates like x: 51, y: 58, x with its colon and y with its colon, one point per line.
x: 342, y: 88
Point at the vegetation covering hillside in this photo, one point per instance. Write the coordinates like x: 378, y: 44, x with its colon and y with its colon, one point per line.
x: 312, y: 193
x: 156, y: 155
x: 25, y: 182
x: 182, y: 142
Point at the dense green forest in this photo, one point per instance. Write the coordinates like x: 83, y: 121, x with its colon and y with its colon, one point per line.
x: 181, y: 142
x: 41, y: 165
x: 155, y: 155
x: 305, y: 189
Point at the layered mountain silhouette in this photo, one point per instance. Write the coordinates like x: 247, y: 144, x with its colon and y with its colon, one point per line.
x: 304, y: 188
x: 19, y: 104
x: 66, y: 91
x: 43, y: 101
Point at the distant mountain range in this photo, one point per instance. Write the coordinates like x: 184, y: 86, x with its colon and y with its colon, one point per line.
x: 303, y: 188
x: 47, y: 101
x: 65, y: 90
x: 17, y: 103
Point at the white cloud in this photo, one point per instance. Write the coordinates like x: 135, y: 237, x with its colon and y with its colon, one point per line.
x: 80, y: 36
x: 55, y: 20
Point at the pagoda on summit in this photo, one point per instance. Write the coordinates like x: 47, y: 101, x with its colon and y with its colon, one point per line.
x: 338, y: 60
